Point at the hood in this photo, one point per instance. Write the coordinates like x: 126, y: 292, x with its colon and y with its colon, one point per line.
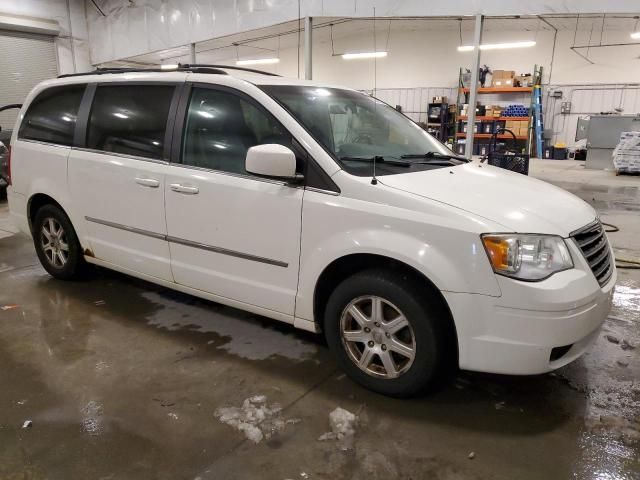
x: 519, y: 203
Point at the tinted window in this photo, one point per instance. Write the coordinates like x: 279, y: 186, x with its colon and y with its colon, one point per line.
x: 222, y: 126
x: 51, y: 117
x: 130, y: 119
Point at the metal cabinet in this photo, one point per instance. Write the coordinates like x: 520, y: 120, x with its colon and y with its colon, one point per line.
x: 603, y: 134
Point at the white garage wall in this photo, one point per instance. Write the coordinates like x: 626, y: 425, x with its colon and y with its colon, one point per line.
x: 72, y: 46
x: 424, y: 62
x: 424, y: 57
x: 133, y: 28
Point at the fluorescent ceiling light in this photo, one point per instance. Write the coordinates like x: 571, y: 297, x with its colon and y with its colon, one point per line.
x: 635, y: 35
x: 353, y: 56
x: 169, y: 66
x: 258, y: 61
x: 497, y: 46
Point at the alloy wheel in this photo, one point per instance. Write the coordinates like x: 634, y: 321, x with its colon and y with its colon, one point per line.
x: 377, y: 337
x: 54, y: 242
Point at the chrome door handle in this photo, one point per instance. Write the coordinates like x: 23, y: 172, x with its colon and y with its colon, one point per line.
x: 189, y: 190
x: 148, y: 182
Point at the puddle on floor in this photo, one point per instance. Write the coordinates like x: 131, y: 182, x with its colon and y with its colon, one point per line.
x: 247, y: 337
x: 626, y: 298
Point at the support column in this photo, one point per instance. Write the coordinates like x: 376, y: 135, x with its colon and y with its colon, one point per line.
x: 192, y: 53
x: 308, y: 47
x: 473, y: 88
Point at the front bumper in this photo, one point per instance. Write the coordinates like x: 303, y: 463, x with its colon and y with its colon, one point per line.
x: 517, y: 332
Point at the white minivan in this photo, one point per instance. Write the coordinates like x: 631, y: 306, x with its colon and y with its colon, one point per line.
x: 316, y: 206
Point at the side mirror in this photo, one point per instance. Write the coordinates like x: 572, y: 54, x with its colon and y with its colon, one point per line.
x: 272, y: 160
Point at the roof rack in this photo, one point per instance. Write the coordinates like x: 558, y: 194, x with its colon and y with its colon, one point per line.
x: 193, y: 68
x: 190, y: 66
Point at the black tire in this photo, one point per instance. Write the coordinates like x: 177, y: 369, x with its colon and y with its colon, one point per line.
x: 75, y: 266
x: 435, y: 351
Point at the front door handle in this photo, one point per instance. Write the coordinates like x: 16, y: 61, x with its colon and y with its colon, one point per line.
x: 148, y: 182
x: 189, y: 190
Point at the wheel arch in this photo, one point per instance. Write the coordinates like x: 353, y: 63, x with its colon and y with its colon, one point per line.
x: 36, y: 202
x: 348, y: 265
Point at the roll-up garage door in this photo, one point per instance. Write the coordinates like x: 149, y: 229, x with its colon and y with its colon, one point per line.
x: 26, y: 59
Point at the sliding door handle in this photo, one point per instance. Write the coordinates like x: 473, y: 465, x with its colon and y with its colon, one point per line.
x: 148, y: 182
x: 187, y: 189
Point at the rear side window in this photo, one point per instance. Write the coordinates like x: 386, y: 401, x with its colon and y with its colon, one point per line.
x: 51, y: 117
x: 130, y: 119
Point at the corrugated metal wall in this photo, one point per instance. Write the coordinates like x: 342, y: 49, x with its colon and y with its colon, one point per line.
x: 26, y: 59
x: 585, y: 100
x: 414, y: 100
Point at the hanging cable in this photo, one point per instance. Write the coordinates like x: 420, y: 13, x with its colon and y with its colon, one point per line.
x: 333, y: 52
x: 374, y: 180
x: 388, y: 36
x: 98, y: 8
x: 299, y: 28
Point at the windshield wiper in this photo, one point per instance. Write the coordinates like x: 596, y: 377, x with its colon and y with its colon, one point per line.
x: 435, y: 156
x: 377, y: 158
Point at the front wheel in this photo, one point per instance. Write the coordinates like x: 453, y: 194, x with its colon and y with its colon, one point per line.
x: 57, y: 244
x: 387, y: 333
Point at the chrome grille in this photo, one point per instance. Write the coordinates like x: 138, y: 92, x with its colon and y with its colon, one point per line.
x: 594, y: 246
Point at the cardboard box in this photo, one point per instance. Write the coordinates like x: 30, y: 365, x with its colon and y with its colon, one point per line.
x: 493, y: 111
x: 504, y: 73
x: 439, y: 100
x: 502, y: 82
x: 502, y: 78
x: 523, y: 80
x: 513, y: 125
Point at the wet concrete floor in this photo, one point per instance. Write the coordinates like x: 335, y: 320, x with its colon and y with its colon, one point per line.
x: 122, y: 379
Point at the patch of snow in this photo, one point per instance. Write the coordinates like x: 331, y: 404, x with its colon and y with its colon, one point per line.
x: 256, y: 419
x: 342, y: 423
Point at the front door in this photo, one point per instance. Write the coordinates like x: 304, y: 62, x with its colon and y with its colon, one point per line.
x: 117, y: 181
x: 231, y: 233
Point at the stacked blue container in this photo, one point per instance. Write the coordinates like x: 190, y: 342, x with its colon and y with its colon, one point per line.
x: 516, y: 110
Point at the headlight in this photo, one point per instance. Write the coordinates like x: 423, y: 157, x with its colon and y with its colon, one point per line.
x: 527, y: 257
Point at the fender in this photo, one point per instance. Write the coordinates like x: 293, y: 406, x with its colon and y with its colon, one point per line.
x: 465, y: 272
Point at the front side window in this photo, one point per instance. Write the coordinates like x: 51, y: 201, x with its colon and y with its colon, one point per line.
x: 130, y: 119
x: 355, y: 128
x: 52, y: 115
x: 221, y: 126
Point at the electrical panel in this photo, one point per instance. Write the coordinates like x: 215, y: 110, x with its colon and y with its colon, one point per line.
x: 555, y: 93
x: 565, y: 108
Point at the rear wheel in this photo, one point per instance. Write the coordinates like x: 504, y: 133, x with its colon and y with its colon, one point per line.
x: 388, y: 334
x: 57, y: 244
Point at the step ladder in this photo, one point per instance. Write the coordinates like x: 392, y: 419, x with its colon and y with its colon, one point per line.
x: 536, y: 113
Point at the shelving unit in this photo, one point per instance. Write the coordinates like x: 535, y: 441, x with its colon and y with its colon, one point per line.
x: 501, y: 90
x: 524, y: 119
x: 442, y: 124
x: 523, y: 95
x: 489, y: 135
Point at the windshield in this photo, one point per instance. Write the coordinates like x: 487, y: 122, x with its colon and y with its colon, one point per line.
x: 356, y: 128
